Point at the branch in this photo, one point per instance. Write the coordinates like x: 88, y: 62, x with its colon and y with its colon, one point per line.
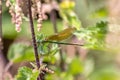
x: 33, y: 36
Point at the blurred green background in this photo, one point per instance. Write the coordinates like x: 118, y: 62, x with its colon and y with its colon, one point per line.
x: 98, y: 64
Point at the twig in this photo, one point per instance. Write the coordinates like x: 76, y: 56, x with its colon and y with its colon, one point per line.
x: 33, y: 36
x: 53, y: 18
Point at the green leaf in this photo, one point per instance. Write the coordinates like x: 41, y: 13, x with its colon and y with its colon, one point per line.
x: 73, y: 20
x: 25, y: 73
x: 93, y: 36
x: 68, y: 14
x: 54, y: 49
x: 42, y: 47
x: 46, y: 48
x: 76, y: 66
x: 19, y: 52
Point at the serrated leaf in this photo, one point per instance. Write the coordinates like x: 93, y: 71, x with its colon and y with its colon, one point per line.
x: 68, y: 14
x: 54, y: 49
x: 46, y: 48
x: 43, y: 48
x: 75, y: 22
x: 72, y: 19
x: 93, y: 36
x: 25, y: 73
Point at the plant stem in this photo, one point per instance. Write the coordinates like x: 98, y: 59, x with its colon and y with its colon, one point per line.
x: 54, y: 19
x: 33, y: 36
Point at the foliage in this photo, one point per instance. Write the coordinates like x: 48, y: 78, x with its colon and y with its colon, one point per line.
x: 74, y: 67
x: 93, y: 36
x: 68, y: 14
x: 25, y: 73
x: 44, y: 47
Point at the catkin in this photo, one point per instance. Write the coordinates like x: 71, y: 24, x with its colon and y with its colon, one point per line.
x: 39, y: 10
x: 18, y: 16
